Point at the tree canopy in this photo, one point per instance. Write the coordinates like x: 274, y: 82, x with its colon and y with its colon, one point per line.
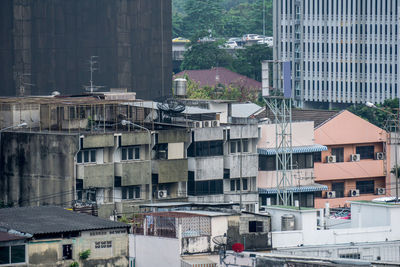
x: 225, y: 18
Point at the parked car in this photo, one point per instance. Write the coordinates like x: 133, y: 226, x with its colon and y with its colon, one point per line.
x: 231, y: 44
x: 180, y: 40
x: 250, y: 37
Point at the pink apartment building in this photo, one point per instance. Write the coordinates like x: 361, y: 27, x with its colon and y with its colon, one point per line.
x: 354, y: 167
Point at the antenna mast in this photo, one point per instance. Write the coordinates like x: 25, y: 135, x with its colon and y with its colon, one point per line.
x: 93, y: 67
x: 279, y: 101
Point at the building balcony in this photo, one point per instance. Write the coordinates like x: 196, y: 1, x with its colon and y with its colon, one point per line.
x: 207, y: 168
x: 136, y: 172
x: 96, y: 175
x: 249, y: 164
x: 171, y: 170
x: 348, y: 170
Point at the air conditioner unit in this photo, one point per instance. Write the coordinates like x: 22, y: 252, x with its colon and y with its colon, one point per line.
x: 354, y: 193
x: 381, y: 191
x: 207, y: 123
x: 162, y: 193
x: 379, y: 155
x: 330, y: 159
x: 330, y: 194
x: 197, y: 124
x: 355, y: 157
x: 215, y: 123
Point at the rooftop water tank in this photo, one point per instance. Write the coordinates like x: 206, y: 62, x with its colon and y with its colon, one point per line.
x: 180, y: 85
x: 287, y: 222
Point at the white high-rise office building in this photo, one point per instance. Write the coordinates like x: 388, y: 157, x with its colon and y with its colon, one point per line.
x: 342, y: 51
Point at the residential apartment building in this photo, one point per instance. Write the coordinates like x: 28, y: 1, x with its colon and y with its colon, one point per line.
x: 79, y: 153
x: 355, y: 166
x: 342, y: 51
x: 305, y: 152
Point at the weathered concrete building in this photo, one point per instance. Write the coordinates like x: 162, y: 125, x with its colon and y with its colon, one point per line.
x: 48, y: 44
x: 53, y: 236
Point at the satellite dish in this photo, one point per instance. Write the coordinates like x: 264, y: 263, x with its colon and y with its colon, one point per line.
x: 220, y: 240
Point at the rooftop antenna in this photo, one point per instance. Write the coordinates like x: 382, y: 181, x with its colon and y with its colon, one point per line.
x: 93, y: 67
x: 21, y: 83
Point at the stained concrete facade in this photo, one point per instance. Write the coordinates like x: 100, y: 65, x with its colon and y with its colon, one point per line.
x: 53, y: 41
x: 37, y: 168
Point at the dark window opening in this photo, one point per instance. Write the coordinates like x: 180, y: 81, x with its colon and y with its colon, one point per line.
x: 130, y: 192
x: 205, y: 149
x: 209, y: 187
x: 365, y: 187
x: 366, y: 152
x: 255, y: 227
x: 338, y: 188
x: 67, y: 252
x: 317, y: 156
x: 117, y: 181
x: 12, y: 254
x: 338, y: 152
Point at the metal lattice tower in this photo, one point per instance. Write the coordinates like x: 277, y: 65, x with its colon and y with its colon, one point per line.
x: 281, y: 107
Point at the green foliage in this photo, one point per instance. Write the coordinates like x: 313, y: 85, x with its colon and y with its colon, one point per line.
x: 74, y: 264
x: 205, y: 55
x: 376, y: 115
x: 248, y: 61
x: 123, y: 219
x: 84, y: 254
x: 225, y: 18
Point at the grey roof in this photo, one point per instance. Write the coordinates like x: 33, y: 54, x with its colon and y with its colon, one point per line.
x: 50, y: 219
x: 244, y: 110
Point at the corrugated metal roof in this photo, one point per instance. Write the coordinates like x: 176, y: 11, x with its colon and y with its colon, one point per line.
x: 4, y: 236
x: 50, y: 219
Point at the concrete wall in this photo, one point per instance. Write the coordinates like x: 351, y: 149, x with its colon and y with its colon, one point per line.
x: 53, y: 40
x: 49, y: 252
x: 207, y: 168
x: 207, y: 134
x: 96, y: 175
x: 135, y: 138
x: 170, y: 171
x: 98, y: 140
x: 305, y: 219
x: 173, y: 136
x: 37, y: 168
x: 249, y: 163
x: 154, y: 251
x: 134, y: 172
x: 245, y: 131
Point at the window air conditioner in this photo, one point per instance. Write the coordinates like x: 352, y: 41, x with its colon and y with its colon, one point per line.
x: 354, y: 193
x: 162, y: 193
x: 330, y: 194
x: 379, y: 156
x: 355, y: 157
x: 330, y: 159
x: 381, y: 191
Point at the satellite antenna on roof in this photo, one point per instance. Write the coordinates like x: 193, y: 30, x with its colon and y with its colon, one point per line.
x: 93, y: 67
x: 221, y: 241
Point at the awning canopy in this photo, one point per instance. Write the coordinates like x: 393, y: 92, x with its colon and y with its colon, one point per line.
x: 295, y: 189
x: 295, y: 150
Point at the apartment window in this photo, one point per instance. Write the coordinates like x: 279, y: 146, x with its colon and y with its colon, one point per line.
x: 338, y: 188
x: 366, y: 187
x: 256, y: 227
x: 235, y: 184
x: 67, y: 252
x: 302, y: 161
x: 338, y: 152
x: 130, y: 153
x: 12, y: 254
x: 245, y: 183
x: 366, y: 152
x: 266, y: 163
x: 86, y: 156
x: 117, y: 181
x: 130, y: 192
x: 205, y: 149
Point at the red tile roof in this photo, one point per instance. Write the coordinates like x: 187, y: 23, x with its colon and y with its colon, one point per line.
x: 219, y: 75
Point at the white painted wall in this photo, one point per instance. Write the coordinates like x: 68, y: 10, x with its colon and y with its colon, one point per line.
x: 305, y: 219
x: 175, y: 150
x: 219, y: 226
x: 154, y: 251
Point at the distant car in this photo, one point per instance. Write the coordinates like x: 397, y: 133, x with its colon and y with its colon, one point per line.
x: 206, y: 39
x: 180, y: 40
x: 265, y: 41
x: 231, y: 44
x: 235, y: 39
x: 250, y: 37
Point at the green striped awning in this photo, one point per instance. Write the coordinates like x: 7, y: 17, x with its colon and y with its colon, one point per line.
x: 295, y: 150
x: 295, y: 189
